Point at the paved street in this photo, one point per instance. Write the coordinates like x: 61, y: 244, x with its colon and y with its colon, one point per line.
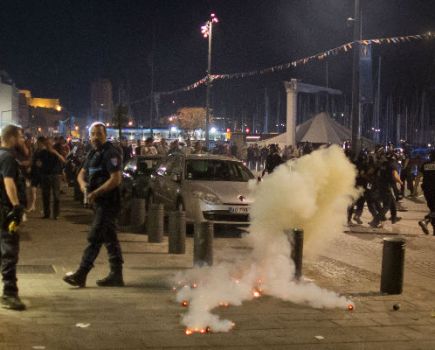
x: 144, y: 314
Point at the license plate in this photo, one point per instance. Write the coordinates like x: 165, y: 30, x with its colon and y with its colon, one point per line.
x: 239, y: 210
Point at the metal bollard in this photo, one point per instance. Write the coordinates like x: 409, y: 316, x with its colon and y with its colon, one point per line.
x: 393, y: 263
x: 296, y: 240
x: 155, y: 223
x: 137, y: 213
x: 177, y: 232
x: 203, y: 243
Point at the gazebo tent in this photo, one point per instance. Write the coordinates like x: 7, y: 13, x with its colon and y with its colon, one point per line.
x: 321, y: 129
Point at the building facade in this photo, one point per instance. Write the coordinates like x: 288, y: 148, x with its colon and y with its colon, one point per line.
x: 102, y: 100
x: 8, y: 100
x: 43, y: 114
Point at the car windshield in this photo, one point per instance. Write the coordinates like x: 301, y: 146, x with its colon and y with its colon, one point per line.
x: 216, y: 170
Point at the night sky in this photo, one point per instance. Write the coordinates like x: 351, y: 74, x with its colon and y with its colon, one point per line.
x: 56, y: 48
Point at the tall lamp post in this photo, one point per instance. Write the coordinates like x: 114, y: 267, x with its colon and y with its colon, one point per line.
x: 207, y: 32
x: 356, y: 124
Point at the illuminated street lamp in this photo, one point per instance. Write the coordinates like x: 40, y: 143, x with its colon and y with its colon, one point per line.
x: 355, y: 113
x: 207, y: 32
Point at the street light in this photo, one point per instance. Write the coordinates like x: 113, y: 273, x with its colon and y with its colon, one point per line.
x: 207, y: 31
x: 355, y: 116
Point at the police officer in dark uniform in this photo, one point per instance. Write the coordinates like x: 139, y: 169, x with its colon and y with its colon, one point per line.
x: 428, y: 187
x: 387, y: 179
x: 99, y: 180
x: 11, y: 213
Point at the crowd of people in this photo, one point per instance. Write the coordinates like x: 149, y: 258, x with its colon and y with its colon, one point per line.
x: 384, y: 177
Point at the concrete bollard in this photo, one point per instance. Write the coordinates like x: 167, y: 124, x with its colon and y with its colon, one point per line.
x: 177, y: 232
x: 203, y: 243
x: 137, y: 212
x: 393, y: 263
x: 296, y: 240
x: 155, y: 223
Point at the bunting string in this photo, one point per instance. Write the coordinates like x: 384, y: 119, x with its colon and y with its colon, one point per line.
x: 302, y: 61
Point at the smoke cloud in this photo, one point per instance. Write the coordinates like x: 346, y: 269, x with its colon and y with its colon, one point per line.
x: 311, y: 193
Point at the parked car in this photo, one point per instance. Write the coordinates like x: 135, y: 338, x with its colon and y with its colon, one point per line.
x: 136, y: 180
x: 208, y: 187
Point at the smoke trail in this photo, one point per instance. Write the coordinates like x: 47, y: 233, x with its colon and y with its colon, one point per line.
x: 311, y: 193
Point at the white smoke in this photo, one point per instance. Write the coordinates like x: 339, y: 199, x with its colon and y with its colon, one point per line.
x: 311, y: 193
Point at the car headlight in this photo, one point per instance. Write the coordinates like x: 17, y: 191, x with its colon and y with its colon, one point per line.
x: 208, y: 198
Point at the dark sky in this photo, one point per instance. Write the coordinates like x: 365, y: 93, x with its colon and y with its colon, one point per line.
x: 57, y: 47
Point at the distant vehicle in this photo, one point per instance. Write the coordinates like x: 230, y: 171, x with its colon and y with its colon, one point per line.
x: 422, y: 153
x: 208, y: 187
x: 136, y: 179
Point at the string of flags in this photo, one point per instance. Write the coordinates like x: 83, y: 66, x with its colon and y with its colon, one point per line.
x: 302, y: 61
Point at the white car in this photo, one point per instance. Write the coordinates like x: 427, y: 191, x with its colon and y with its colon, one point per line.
x: 208, y: 187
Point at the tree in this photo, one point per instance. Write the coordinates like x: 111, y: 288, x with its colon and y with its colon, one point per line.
x: 191, y: 118
x: 120, y: 119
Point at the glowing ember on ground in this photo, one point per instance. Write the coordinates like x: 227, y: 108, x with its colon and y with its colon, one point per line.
x: 185, y: 303
x: 350, y: 307
x: 256, y: 293
x: 190, y: 331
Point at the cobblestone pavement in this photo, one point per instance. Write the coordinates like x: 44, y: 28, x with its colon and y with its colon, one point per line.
x: 144, y: 314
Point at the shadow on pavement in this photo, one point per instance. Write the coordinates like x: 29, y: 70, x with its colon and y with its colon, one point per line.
x: 147, y: 268
x: 365, y: 294
x: 145, y: 253
x: 416, y: 200
x: 80, y: 219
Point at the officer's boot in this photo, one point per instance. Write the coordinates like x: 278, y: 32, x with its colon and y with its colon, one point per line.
x: 78, y: 278
x: 12, y: 302
x: 113, y: 279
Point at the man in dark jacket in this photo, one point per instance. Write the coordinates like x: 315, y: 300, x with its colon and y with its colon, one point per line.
x: 273, y: 160
x: 99, y: 180
x: 50, y: 168
x: 10, y: 214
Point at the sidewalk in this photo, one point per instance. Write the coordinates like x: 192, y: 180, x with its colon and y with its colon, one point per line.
x: 145, y: 315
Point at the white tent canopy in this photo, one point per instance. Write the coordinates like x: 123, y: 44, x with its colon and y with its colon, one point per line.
x: 322, y: 129
x: 319, y: 129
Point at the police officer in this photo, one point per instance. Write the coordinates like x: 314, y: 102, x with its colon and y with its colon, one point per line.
x: 428, y: 171
x: 11, y: 212
x: 388, y: 177
x: 99, y: 180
